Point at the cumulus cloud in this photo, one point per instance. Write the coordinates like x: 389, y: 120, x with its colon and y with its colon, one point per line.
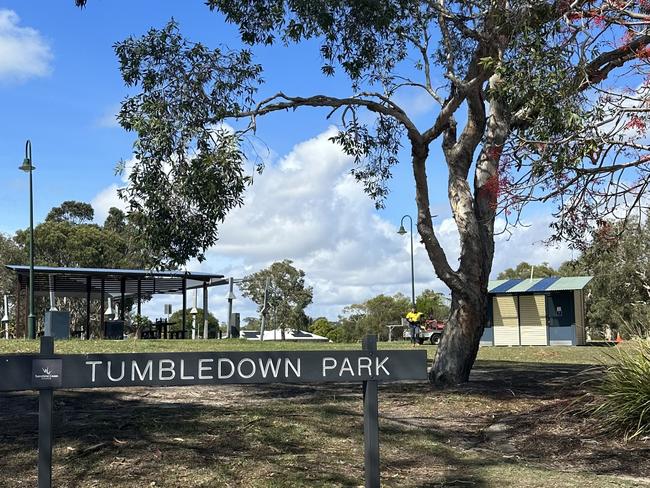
x: 24, y: 53
x: 307, y: 207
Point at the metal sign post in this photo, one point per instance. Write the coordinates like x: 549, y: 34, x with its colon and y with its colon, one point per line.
x: 48, y: 371
x: 45, y: 434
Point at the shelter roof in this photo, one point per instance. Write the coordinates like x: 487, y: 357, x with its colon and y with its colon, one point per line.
x: 538, y: 285
x: 75, y: 281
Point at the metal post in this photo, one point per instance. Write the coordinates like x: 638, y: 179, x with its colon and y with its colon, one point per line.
x: 184, y: 305
x: 5, y: 317
x: 371, y: 421
x: 122, y: 298
x: 205, y: 311
x: 265, y: 308
x: 231, y: 294
x: 31, y: 320
x: 87, y: 331
x: 102, y: 291
x: 45, y: 433
x: 139, y: 297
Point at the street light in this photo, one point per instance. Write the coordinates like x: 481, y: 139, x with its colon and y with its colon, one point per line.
x: 27, y: 167
x: 402, y: 231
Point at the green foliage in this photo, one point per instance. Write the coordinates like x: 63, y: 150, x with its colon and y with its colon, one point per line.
x: 432, y: 304
x: 619, y: 260
x: 188, y: 170
x: 66, y: 239
x: 522, y: 271
x: 622, y: 400
x: 71, y: 211
x: 10, y: 253
x: 288, y: 296
x: 323, y: 327
x: 372, y: 316
x: 177, y: 317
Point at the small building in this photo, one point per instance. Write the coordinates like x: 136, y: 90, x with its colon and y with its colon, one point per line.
x: 536, y: 312
x: 289, y: 335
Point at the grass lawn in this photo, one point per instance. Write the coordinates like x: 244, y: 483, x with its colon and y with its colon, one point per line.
x: 526, y: 354
x: 516, y: 423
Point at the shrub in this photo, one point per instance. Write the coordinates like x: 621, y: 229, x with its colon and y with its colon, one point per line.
x: 622, y: 399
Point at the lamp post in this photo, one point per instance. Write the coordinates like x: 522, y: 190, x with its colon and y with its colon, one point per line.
x: 29, y: 168
x: 402, y: 231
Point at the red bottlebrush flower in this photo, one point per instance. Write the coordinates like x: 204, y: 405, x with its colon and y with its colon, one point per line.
x: 636, y: 123
x: 599, y: 20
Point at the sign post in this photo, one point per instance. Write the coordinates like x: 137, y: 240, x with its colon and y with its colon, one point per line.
x: 45, y: 434
x: 371, y: 420
x: 48, y: 371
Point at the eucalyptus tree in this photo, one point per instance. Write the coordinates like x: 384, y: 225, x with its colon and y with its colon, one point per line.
x: 287, y: 294
x: 533, y: 101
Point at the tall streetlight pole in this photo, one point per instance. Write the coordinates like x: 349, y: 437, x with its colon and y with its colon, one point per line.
x: 29, y: 168
x: 402, y: 231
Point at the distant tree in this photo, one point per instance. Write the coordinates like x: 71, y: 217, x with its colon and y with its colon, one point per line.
x: 372, y: 316
x: 177, y: 318
x: 522, y: 271
x: 71, y: 211
x: 324, y: 328
x: 619, y: 261
x: 432, y: 304
x: 10, y: 253
x: 68, y: 238
x: 288, y: 295
x: 116, y: 220
x: 251, y: 323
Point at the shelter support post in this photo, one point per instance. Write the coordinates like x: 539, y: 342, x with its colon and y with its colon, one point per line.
x: 45, y: 433
x: 205, y: 310
x: 102, y: 292
x: 122, y: 297
x: 87, y: 327
x: 139, y: 297
x: 371, y: 421
x: 17, y: 309
x: 184, y: 321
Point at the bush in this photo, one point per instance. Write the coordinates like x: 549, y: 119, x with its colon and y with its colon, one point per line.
x: 622, y: 399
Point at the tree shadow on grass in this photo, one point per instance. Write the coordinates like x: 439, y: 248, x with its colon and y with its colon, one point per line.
x: 311, y: 435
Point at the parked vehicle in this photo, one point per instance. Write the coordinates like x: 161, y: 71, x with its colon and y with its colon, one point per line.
x: 430, y: 331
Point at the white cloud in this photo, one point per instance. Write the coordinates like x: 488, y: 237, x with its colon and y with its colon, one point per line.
x: 109, y: 118
x: 24, y: 53
x: 108, y: 198
x: 307, y: 208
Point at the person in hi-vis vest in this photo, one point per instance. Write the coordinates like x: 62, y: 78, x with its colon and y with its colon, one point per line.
x: 414, y: 318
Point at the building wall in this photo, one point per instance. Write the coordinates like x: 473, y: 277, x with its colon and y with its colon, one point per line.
x: 506, y: 320
x: 532, y: 310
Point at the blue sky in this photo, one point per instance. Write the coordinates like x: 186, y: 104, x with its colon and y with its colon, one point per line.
x: 60, y: 87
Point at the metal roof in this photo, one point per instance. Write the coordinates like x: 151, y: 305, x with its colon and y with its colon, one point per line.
x: 72, y: 282
x: 538, y: 285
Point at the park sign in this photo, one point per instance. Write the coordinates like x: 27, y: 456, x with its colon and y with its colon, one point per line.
x: 24, y: 372
x: 47, y: 372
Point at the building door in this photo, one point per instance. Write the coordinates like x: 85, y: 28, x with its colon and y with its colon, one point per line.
x: 506, y: 320
x: 532, y: 309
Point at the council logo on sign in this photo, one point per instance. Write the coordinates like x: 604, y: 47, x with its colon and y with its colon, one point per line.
x: 46, y: 373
